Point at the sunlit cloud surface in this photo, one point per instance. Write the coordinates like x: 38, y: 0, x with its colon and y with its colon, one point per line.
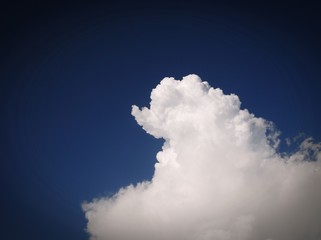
x: 218, y: 175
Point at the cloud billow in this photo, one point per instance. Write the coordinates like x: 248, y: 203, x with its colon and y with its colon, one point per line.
x: 218, y: 176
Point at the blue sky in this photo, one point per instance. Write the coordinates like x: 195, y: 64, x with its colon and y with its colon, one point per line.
x: 70, y: 73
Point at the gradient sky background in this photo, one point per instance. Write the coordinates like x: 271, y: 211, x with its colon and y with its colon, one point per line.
x: 70, y: 73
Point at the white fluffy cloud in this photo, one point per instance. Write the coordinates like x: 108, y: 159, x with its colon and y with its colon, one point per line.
x: 218, y: 175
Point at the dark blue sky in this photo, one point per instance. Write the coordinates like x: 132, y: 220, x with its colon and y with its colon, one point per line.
x: 70, y: 73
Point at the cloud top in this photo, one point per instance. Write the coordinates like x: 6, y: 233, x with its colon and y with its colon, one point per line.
x: 217, y: 177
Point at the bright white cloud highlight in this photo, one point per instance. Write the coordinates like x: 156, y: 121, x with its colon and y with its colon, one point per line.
x: 218, y: 176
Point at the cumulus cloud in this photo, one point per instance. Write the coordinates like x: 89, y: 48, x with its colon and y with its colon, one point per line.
x: 218, y: 176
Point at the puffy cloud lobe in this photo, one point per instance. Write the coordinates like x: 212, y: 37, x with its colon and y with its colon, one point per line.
x: 218, y: 176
